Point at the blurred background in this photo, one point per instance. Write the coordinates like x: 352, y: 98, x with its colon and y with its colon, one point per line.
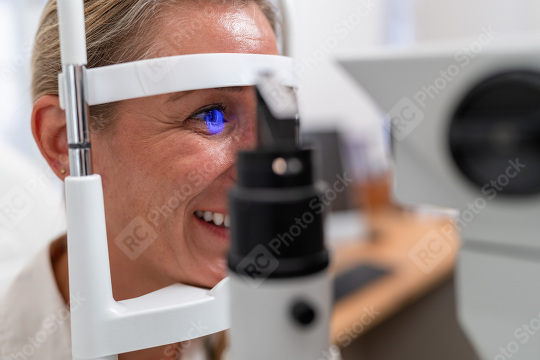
x: 330, y: 101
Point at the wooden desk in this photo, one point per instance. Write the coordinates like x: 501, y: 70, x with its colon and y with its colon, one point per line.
x: 419, y: 249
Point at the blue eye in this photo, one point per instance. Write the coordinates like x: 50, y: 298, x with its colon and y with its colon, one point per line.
x: 215, y: 121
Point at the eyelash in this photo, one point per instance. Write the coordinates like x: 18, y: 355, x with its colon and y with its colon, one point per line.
x: 212, y: 128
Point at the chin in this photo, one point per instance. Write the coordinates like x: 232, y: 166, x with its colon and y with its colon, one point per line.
x: 218, y: 271
x: 210, y: 257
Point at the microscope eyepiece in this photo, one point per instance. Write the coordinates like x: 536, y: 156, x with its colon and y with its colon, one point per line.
x: 275, y: 204
x: 277, y: 260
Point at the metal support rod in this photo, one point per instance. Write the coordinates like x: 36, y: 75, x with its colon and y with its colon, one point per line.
x: 77, y: 116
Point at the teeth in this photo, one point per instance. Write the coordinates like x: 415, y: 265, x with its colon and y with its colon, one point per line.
x: 217, y: 218
x: 208, y: 215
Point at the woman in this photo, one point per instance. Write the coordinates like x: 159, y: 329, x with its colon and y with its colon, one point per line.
x: 146, y: 150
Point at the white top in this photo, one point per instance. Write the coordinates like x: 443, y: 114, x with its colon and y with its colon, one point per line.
x: 35, y: 321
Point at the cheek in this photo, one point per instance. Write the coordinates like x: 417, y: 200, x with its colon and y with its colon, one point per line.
x: 201, y: 169
x: 186, y: 177
x: 180, y: 167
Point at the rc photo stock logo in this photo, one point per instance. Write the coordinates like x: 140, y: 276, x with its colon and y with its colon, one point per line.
x: 257, y: 266
x: 404, y: 117
x: 430, y: 251
x: 408, y: 113
x: 15, y: 206
x: 175, y: 351
x: 153, y: 71
x: 262, y: 261
x: 51, y: 323
x: 136, y: 237
x: 522, y: 336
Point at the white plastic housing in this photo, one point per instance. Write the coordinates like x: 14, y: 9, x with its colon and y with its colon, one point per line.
x: 498, y: 302
x: 103, y: 327
x: 261, y: 324
x: 425, y: 172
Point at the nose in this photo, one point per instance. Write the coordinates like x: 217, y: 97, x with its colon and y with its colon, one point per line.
x: 246, y: 142
x: 243, y: 141
x: 232, y: 173
x: 246, y: 138
x: 250, y: 138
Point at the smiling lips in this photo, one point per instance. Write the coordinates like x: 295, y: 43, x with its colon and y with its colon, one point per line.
x: 216, y: 218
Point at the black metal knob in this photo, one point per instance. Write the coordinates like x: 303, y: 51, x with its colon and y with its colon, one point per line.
x: 303, y: 313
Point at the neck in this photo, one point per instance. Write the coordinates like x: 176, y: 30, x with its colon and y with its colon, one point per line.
x: 59, y: 262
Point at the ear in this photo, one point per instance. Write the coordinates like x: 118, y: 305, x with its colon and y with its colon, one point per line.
x: 50, y: 134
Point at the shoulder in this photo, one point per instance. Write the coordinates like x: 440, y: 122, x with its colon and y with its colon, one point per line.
x: 34, y: 320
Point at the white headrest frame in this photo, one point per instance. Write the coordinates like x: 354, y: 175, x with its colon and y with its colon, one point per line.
x: 179, y: 73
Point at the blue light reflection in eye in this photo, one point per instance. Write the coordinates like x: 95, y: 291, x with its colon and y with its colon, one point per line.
x: 215, y: 121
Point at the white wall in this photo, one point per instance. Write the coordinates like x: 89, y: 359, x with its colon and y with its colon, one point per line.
x: 329, y: 97
x: 324, y: 29
x: 18, y: 23
x: 443, y: 19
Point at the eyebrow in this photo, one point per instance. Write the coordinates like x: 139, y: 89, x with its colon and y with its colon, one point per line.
x: 229, y: 89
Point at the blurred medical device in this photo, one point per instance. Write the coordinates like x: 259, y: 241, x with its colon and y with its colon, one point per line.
x: 465, y: 124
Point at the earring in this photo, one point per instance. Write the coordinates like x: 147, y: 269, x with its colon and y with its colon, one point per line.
x: 62, y: 171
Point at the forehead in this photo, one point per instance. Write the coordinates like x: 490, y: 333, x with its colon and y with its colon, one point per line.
x: 214, y: 27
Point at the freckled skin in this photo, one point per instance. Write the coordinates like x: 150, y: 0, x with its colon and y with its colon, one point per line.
x: 152, y: 153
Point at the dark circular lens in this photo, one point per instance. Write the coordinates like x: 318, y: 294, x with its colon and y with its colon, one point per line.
x: 495, y: 134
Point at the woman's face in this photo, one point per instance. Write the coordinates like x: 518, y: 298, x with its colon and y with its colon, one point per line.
x: 168, y: 160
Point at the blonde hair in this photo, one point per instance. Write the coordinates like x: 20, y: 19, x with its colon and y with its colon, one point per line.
x: 116, y: 31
